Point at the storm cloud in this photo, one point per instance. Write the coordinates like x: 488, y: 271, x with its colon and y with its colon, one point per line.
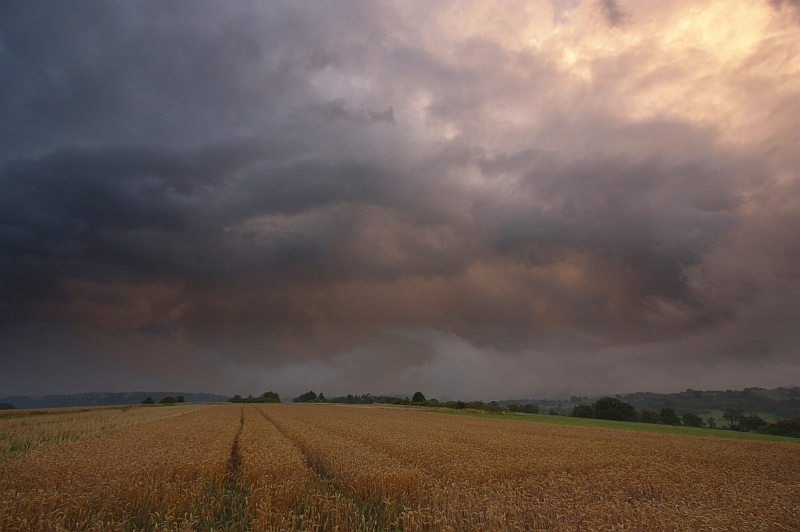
x: 475, y: 200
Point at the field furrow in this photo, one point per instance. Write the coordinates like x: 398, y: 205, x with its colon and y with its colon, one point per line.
x: 329, y: 499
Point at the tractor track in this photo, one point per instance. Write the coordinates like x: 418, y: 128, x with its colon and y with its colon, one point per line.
x: 313, y: 463
x: 372, y: 515
x: 232, y: 514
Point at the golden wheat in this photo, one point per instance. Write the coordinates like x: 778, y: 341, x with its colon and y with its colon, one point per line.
x: 284, y: 493
x: 166, y: 475
x: 479, y: 474
x: 327, y: 467
x: 24, y: 430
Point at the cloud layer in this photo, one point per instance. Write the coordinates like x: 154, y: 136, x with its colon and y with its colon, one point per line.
x: 523, y: 199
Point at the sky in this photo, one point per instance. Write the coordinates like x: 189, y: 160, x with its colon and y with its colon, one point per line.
x: 476, y: 200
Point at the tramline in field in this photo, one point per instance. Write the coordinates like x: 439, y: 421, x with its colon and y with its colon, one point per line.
x: 329, y: 467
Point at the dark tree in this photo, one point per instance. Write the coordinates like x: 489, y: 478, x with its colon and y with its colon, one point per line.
x: 270, y: 397
x: 752, y: 423
x: 306, y: 397
x: 734, y: 418
x: 529, y: 409
x: 783, y: 427
x: 648, y: 416
x: 711, y: 422
x: 553, y: 412
x: 586, y: 411
x: 6, y: 406
x: 692, y: 420
x: 235, y: 399
x: 167, y: 400
x: 180, y: 399
x: 418, y: 398
x: 669, y: 417
x: 148, y: 401
x: 614, y: 409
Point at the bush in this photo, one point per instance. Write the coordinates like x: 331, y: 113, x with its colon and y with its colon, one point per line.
x: 585, y: 411
x: 167, y: 400
x: 783, y: 427
x: 270, y: 397
x: 752, y: 423
x: 692, y: 420
x: 669, y: 417
x: 180, y: 399
x: 306, y: 397
x: 6, y: 406
x: 148, y: 401
x: 418, y: 398
x: 554, y: 412
x: 615, y: 410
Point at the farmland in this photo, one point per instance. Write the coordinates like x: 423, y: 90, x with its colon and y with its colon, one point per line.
x: 329, y: 467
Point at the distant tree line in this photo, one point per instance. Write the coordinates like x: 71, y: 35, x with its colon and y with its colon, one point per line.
x: 615, y: 409
x: 418, y: 399
x: 166, y: 400
x: 780, y: 402
x: 266, y: 397
x: 608, y: 408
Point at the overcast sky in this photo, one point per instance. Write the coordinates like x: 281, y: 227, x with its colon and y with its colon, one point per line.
x: 471, y: 199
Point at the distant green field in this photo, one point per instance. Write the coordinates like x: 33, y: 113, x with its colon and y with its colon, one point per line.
x: 623, y: 425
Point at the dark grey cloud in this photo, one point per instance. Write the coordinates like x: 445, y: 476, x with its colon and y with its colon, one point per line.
x: 614, y: 14
x: 163, y: 330
x: 780, y: 3
x: 372, y: 197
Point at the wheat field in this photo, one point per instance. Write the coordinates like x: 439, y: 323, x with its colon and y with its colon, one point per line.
x: 24, y: 432
x: 333, y: 467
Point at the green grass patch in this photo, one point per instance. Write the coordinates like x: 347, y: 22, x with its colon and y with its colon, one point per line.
x: 623, y: 425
